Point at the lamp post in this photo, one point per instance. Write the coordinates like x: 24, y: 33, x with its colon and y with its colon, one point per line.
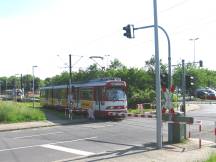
x: 194, y: 46
x: 33, y: 83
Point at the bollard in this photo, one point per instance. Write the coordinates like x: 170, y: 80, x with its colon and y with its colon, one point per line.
x: 189, y: 135
x: 199, y: 122
x: 200, y: 136
x: 142, y: 109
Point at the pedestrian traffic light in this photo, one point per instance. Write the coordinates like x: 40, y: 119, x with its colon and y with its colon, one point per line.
x: 201, y: 63
x: 129, y: 31
x: 164, y: 79
x: 189, y: 81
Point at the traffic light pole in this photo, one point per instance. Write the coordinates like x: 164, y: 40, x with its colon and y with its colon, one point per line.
x: 183, y: 87
x: 183, y: 94
x: 169, y: 50
x: 184, y: 83
x: 157, y: 76
x: 70, y: 88
x: 129, y: 33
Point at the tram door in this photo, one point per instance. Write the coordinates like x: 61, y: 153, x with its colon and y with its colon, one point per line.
x: 98, y: 98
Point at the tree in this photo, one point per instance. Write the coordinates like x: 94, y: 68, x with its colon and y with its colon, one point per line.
x: 3, y: 82
x: 150, y: 65
x: 203, y: 77
x: 116, y: 64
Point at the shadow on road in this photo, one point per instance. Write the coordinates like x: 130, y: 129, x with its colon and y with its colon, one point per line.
x: 58, y: 117
x: 131, y: 150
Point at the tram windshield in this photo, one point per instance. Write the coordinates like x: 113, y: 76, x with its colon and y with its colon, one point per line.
x: 115, y: 94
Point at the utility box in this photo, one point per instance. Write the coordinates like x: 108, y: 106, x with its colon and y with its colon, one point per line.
x: 176, y: 132
x: 177, y: 129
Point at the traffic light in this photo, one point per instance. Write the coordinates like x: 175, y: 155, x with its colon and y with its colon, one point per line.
x: 201, y: 63
x: 189, y: 81
x: 164, y: 79
x: 129, y: 31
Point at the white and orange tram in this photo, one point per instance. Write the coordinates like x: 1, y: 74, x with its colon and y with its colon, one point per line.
x: 106, y: 97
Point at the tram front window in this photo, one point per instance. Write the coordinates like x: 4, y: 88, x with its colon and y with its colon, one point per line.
x: 115, y: 94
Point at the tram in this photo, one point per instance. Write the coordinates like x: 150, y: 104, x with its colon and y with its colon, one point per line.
x: 105, y: 96
x: 14, y: 94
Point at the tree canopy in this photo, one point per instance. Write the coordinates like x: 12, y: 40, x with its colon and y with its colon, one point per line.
x: 140, y: 81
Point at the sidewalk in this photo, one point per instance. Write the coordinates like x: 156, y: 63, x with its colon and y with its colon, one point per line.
x: 188, y: 152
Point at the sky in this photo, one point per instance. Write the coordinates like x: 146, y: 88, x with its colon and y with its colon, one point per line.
x: 44, y: 32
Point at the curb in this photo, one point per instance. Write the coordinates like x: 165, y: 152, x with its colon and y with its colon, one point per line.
x: 25, y: 125
x: 37, y: 124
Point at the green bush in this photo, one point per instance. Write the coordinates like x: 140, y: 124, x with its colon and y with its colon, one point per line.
x: 11, y: 112
x: 141, y: 96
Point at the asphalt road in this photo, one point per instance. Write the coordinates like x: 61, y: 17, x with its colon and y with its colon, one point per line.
x: 207, y: 114
x: 75, y: 141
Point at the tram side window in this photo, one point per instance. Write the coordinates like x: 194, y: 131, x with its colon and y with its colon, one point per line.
x: 77, y: 94
x: 63, y: 93
x: 44, y: 93
x: 55, y: 93
x: 49, y: 93
x: 86, y: 94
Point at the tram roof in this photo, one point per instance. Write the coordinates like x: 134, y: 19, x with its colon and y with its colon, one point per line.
x: 90, y: 83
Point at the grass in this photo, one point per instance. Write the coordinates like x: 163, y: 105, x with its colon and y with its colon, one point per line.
x: 12, y: 112
x: 184, y: 141
x: 212, y: 158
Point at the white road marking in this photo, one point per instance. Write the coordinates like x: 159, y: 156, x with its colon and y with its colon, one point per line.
x: 25, y: 147
x: 69, y: 150
x: 37, y: 135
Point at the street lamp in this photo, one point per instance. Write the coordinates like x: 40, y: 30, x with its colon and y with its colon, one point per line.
x: 194, y: 40
x: 33, y: 83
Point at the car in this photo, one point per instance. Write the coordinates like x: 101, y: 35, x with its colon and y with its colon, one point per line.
x: 211, y: 96
x: 206, y: 93
x: 203, y: 94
